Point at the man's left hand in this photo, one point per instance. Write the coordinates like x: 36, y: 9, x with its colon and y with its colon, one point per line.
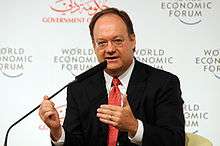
x: 120, y: 117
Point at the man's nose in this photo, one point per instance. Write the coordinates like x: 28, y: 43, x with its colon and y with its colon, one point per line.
x: 110, y: 47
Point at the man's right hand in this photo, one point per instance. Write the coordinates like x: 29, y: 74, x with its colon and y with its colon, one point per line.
x: 50, y: 117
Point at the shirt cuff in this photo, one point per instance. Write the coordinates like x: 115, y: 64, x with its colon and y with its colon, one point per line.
x: 137, y: 139
x: 60, y: 141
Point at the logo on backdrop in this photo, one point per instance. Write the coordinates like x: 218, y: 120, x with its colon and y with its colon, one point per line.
x: 210, y: 62
x: 73, y: 11
x: 13, y: 61
x: 157, y: 58
x: 75, y: 60
x: 189, y: 12
x: 194, y: 116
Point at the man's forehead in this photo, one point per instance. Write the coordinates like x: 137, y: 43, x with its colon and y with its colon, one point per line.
x: 111, y: 25
x: 109, y: 19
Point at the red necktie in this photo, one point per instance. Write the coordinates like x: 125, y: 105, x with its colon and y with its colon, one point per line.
x: 114, y: 99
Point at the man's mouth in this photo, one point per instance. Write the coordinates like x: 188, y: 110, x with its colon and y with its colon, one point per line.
x: 111, y: 58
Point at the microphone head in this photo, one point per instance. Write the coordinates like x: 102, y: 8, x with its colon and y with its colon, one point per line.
x: 101, y: 66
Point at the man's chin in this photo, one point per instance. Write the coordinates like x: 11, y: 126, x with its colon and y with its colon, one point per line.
x: 113, y: 70
x: 113, y: 66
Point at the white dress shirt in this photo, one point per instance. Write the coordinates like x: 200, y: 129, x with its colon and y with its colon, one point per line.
x: 124, y: 79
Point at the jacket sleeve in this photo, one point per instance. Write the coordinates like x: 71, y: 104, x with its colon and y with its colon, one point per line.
x: 167, y: 128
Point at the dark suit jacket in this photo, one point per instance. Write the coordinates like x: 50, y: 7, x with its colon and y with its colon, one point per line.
x: 154, y: 96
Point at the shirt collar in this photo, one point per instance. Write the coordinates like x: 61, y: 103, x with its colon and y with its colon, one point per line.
x: 124, y: 78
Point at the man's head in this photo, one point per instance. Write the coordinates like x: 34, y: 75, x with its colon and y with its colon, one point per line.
x: 113, y: 39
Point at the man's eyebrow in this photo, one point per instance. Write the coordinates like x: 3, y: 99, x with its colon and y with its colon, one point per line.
x: 117, y: 36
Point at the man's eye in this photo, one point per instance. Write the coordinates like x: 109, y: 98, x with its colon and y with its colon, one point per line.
x: 117, y: 41
x: 101, y: 43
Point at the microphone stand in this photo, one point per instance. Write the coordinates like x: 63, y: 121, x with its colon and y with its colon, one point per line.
x: 78, y: 78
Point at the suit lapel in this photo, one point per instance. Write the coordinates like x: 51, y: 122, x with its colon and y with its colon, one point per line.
x: 98, y: 95
x: 97, y: 89
x: 137, y: 86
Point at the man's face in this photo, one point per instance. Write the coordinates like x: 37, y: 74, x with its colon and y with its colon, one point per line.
x: 112, y: 43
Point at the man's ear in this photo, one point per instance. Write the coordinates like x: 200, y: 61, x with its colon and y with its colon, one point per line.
x: 132, y: 37
x: 133, y: 40
x: 94, y: 46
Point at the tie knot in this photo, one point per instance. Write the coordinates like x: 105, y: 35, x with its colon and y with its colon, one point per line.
x: 116, y: 82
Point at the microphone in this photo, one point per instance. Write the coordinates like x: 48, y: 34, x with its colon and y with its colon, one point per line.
x: 91, y: 71
x: 101, y: 66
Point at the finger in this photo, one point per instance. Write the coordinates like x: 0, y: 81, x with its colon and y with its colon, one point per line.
x: 110, y: 110
x: 45, y: 107
x: 106, y: 121
x: 49, y: 108
x: 46, y: 97
x: 104, y: 116
x: 47, y: 103
x: 105, y: 111
x: 110, y: 107
x: 50, y: 116
x: 115, y: 119
x: 42, y: 113
x: 51, y: 119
